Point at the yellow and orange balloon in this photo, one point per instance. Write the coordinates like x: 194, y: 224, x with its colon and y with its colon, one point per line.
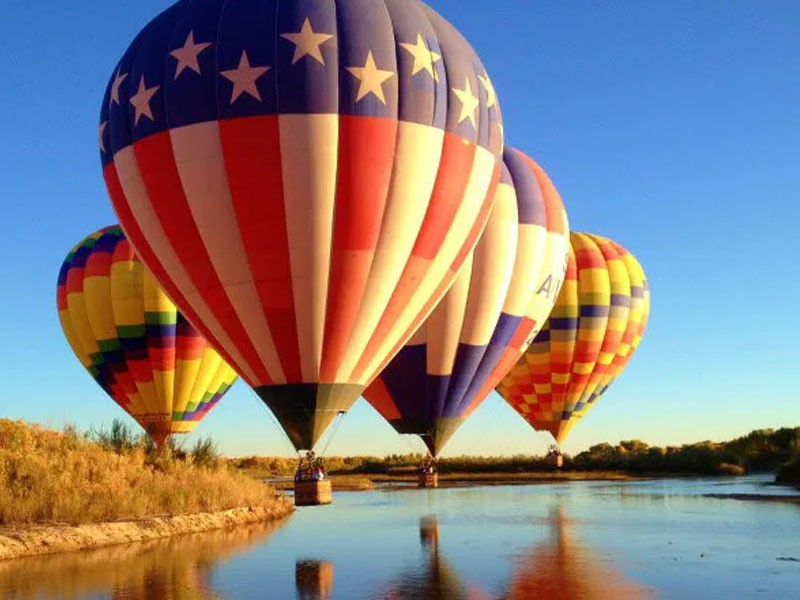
x: 596, y: 325
x: 133, y: 341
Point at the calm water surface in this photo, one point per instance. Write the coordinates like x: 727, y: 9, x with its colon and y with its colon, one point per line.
x: 588, y: 540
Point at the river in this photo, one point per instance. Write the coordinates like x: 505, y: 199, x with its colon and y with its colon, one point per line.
x: 587, y: 540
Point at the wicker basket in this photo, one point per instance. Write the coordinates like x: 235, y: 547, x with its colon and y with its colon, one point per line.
x: 313, y: 493
x: 555, y: 460
x: 429, y: 480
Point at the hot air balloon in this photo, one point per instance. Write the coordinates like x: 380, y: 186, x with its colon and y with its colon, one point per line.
x: 596, y: 325
x: 499, y: 301
x: 133, y: 341
x: 304, y: 178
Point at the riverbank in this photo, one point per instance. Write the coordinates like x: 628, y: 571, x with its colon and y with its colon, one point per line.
x: 177, y: 567
x: 37, y: 540
x: 493, y: 542
x: 783, y: 498
x: 363, y: 483
x: 63, y: 491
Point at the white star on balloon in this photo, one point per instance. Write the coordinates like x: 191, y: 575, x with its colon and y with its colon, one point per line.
x: 244, y: 78
x: 491, y: 95
x: 141, y: 101
x: 424, y: 57
x: 371, y: 78
x: 187, y: 55
x: 103, y: 126
x: 469, y: 104
x: 307, y: 42
x: 118, y: 79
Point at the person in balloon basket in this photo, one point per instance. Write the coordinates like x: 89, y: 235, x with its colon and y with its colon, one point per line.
x: 304, y: 468
x: 311, y: 468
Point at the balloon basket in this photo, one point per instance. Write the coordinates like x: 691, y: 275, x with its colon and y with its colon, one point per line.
x: 313, y: 493
x: 429, y: 480
x: 555, y: 460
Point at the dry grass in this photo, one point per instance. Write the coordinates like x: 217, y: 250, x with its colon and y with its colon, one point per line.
x: 53, y: 477
x: 352, y: 483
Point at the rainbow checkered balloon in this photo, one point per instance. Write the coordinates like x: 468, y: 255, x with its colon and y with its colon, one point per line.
x: 133, y: 341
x: 595, y: 327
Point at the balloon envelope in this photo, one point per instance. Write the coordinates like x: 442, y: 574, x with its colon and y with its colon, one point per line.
x: 131, y: 339
x: 304, y: 178
x: 596, y: 325
x: 485, y: 322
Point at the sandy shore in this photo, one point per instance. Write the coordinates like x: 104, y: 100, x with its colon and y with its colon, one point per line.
x: 50, y: 539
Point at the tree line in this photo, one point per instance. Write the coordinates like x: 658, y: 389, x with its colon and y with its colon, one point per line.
x: 760, y: 450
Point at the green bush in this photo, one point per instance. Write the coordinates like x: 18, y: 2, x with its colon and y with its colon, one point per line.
x: 789, y: 472
x: 205, y: 453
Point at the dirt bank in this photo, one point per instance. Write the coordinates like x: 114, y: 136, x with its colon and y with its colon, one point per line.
x: 458, y: 479
x: 48, y: 539
x: 789, y: 499
x: 364, y: 483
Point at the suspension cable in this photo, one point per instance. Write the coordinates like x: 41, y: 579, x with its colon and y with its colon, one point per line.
x: 273, y: 418
x: 337, y: 424
x: 409, y: 441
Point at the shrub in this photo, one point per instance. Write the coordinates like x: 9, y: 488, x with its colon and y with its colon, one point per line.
x: 205, y: 453
x: 789, y: 472
x: 120, y: 438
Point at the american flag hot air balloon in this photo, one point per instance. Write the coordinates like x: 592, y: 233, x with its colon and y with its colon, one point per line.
x: 304, y: 178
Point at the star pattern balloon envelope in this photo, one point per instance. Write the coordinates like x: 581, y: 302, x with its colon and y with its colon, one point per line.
x: 490, y: 315
x: 304, y: 178
x: 131, y: 339
x: 596, y: 325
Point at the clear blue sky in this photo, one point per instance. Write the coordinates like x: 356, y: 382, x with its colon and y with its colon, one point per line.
x: 672, y: 127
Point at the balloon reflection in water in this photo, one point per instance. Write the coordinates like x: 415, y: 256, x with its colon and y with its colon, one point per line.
x: 313, y: 579
x: 433, y: 578
x: 178, y: 568
x: 562, y: 567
